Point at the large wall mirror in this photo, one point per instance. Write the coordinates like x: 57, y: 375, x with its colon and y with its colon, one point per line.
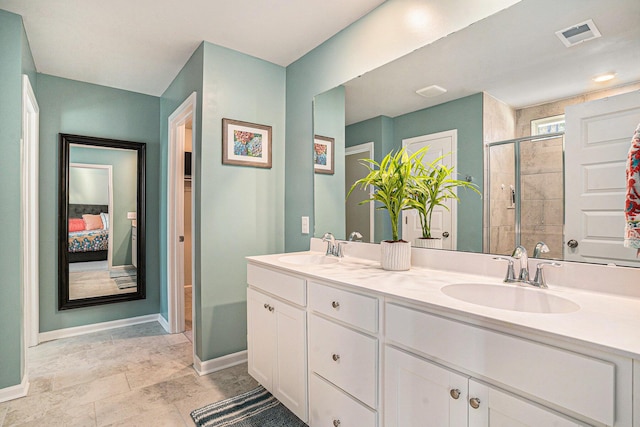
x: 511, y: 85
x: 101, y: 228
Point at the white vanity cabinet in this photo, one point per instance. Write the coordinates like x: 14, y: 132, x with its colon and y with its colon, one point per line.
x: 343, y: 357
x: 574, y: 384
x: 417, y: 390
x: 276, y: 336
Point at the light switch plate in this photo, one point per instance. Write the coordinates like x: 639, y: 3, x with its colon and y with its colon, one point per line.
x: 305, y: 225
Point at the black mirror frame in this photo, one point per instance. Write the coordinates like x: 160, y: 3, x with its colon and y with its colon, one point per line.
x: 64, y: 303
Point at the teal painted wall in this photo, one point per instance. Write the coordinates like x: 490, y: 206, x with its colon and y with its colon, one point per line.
x: 124, y: 172
x: 329, y: 194
x: 378, y: 130
x: 240, y: 209
x: 465, y: 115
x: 15, y: 59
x: 188, y: 80
x: 68, y: 106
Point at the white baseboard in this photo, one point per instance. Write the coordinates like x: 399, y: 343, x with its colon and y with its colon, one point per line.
x: 163, y: 322
x: 96, y: 327
x: 218, y: 364
x: 16, y: 391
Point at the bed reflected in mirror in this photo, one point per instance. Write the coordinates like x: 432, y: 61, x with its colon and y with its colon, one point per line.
x: 101, y: 227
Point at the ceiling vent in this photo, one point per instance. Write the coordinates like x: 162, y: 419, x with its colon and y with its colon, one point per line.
x: 578, y: 33
x: 431, y: 91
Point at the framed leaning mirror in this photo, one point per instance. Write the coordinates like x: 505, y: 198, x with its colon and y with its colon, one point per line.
x: 101, y: 221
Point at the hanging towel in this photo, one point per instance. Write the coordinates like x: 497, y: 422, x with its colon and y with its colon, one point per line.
x: 632, y: 202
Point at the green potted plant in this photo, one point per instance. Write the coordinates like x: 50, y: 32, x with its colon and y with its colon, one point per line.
x: 393, y: 181
x: 432, y: 186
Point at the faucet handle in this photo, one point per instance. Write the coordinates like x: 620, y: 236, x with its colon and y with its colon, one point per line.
x: 340, y: 249
x: 539, y: 279
x: 511, y: 274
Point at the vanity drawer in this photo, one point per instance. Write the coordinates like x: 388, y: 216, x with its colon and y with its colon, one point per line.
x: 577, y: 382
x: 290, y: 288
x: 329, y: 406
x: 347, y: 358
x: 358, y: 310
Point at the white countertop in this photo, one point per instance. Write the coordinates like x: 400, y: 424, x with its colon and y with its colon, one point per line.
x: 604, y: 321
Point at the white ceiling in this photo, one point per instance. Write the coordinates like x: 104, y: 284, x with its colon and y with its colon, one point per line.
x: 513, y: 55
x: 141, y: 45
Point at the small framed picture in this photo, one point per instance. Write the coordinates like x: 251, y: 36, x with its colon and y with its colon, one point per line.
x: 246, y: 144
x: 323, y: 148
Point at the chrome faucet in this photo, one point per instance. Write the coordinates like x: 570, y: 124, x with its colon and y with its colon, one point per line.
x: 520, y: 252
x: 541, y: 248
x: 355, y: 236
x: 333, y: 248
x: 523, y: 276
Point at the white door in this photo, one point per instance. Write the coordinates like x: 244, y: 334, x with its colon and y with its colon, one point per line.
x: 418, y: 393
x: 489, y: 407
x: 597, y: 140
x: 444, y: 223
x: 358, y: 217
x: 261, y: 340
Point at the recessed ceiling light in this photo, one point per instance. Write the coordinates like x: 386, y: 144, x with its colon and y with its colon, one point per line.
x: 431, y: 91
x: 604, y: 77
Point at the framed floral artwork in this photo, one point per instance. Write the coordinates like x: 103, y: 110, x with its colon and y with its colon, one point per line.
x: 323, y: 156
x: 246, y: 144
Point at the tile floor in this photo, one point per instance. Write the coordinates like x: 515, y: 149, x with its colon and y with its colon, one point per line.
x: 132, y: 376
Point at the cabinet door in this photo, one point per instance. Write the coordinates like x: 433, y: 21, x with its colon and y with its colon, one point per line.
x: 499, y: 409
x: 261, y: 340
x: 290, y: 383
x: 421, y: 393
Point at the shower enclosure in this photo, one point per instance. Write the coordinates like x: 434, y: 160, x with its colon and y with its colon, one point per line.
x: 525, y: 194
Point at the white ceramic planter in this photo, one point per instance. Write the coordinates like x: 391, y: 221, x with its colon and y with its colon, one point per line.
x: 395, y: 256
x: 432, y: 243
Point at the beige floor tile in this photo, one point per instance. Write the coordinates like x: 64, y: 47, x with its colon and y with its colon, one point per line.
x: 3, y: 413
x: 168, y: 418
x: 76, y: 416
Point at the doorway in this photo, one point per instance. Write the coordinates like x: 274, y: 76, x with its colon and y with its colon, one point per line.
x: 180, y: 219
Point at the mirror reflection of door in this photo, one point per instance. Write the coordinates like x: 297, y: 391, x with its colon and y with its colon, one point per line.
x: 358, y: 217
x: 102, y: 222
x: 444, y: 220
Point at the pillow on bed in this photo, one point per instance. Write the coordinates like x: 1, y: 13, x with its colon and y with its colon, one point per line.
x: 105, y: 220
x: 76, y: 224
x: 92, y: 222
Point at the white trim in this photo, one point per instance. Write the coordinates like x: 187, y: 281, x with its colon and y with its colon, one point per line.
x: 15, y: 391
x: 30, y: 146
x: 219, y: 363
x: 175, y: 212
x: 97, y: 327
x: 163, y: 322
x: 366, y: 147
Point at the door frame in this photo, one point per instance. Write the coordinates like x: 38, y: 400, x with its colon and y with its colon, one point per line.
x: 367, y: 147
x: 30, y: 147
x: 453, y: 208
x: 175, y: 214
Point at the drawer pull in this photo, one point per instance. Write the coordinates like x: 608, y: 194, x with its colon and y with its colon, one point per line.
x: 271, y: 308
x: 474, y: 402
x: 335, y: 357
x: 455, y: 393
x: 335, y: 304
x: 266, y: 305
x: 336, y: 423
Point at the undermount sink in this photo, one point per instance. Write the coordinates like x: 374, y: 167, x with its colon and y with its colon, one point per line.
x: 308, y: 259
x: 510, y: 297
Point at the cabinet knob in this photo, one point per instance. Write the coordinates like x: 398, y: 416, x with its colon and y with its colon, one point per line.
x: 455, y: 393
x: 266, y: 305
x: 335, y: 357
x: 271, y: 308
x: 474, y: 402
x: 335, y: 304
x: 336, y: 423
